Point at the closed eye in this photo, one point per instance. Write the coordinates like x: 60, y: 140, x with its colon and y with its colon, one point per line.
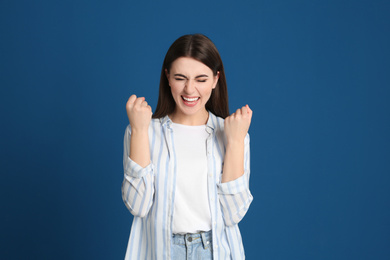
x: 179, y: 77
x: 201, y: 78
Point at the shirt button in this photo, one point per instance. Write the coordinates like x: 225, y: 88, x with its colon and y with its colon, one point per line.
x: 216, y: 246
x: 189, y: 239
x: 214, y: 223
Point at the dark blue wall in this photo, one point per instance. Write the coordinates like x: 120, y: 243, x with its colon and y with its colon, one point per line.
x: 316, y: 74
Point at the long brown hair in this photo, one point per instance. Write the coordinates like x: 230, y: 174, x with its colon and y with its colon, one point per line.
x: 201, y: 48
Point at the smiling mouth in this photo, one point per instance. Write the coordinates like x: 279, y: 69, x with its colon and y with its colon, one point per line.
x: 190, y: 99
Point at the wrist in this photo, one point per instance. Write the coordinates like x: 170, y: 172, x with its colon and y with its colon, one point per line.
x: 139, y: 131
x: 235, y: 142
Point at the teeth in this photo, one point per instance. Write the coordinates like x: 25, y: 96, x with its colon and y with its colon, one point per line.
x: 190, y: 99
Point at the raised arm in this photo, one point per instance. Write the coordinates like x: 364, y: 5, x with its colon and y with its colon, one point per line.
x: 236, y: 128
x: 138, y: 183
x: 234, y: 194
x: 139, y: 114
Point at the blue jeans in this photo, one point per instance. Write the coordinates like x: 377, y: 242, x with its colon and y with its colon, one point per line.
x: 192, y: 246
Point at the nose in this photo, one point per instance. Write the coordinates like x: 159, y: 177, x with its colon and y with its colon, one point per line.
x: 190, y: 86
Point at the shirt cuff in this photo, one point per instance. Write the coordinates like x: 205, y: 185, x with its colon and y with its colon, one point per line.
x: 233, y: 187
x: 133, y: 169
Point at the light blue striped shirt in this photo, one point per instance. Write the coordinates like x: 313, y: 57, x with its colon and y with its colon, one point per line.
x: 149, y: 194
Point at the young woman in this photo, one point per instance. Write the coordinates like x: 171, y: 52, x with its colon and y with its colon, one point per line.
x: 186, y: 167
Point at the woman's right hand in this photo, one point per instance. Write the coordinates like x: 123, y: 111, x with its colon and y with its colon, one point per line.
x: 139, y: 113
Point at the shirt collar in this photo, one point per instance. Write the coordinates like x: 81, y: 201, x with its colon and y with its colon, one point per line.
x: 210, y: 123
x: 165, y: 120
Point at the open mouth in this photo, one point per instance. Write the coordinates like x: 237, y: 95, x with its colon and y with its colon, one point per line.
x: 190, y: 99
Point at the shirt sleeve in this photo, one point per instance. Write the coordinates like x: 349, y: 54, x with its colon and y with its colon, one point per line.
x: 138, y: 182
x: 235, y: 196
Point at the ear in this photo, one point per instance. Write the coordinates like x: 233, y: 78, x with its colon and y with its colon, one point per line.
x: 216, y: 77
x: 167, y: 75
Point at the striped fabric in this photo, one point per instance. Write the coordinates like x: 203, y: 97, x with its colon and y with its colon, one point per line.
x: 149, y: 194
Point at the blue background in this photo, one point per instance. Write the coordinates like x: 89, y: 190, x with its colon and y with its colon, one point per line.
x: 315, y: 73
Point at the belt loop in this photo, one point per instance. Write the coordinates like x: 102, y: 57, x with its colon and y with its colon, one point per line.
x: 204, y: 240
x: 185, y: 236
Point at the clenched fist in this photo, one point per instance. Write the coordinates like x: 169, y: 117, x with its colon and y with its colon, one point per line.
x: 237, y: 124
x: 139, y: 113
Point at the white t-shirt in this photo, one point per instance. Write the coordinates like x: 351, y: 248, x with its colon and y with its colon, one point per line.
x: 192, y: 208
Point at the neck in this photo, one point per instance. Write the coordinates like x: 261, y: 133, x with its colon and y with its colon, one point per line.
x: 198, y: 119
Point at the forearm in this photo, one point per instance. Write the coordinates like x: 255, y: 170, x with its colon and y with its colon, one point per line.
x: 234, y: 194
x: 233, y: 167
x: 137, y: 192
x: 139, y: 148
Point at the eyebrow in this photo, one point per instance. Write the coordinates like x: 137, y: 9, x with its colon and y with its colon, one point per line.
x: 199, y: 76
x: 180, y: 75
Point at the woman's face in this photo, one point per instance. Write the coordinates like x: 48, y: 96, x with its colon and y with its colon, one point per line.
x: 191, y: 84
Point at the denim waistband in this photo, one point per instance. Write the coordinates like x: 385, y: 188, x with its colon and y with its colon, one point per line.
x: 190, y: 238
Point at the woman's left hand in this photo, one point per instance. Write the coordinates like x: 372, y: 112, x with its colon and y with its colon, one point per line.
x: 237, y: 124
